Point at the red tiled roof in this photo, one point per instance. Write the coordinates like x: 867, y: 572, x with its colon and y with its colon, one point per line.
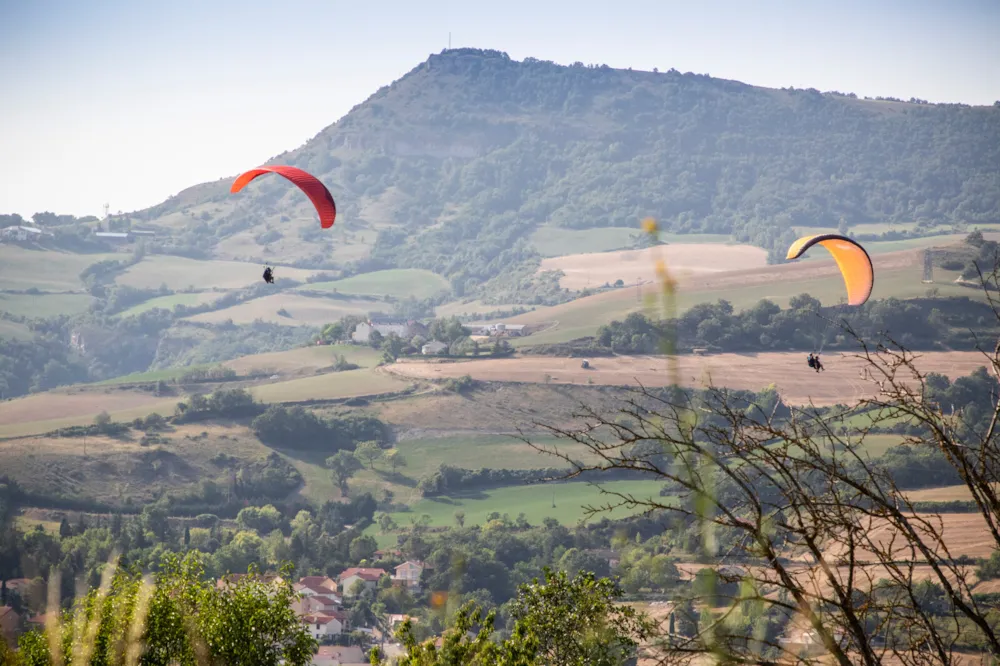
x: 364, y: 573
x: 314, y: 581
x: 324, y: 618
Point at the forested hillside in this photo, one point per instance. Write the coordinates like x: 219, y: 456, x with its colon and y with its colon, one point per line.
x: 455, y: 165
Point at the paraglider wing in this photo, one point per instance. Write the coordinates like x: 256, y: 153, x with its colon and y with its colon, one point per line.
x: 852, y: 259
x: 314, y: 189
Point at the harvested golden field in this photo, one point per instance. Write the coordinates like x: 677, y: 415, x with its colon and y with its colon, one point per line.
x: 498, y: 409
x: 964, y: 534
x: 73, y: 406
x: 898, y: 274
x: 304, y: 360
x: 182, y: 273
x: 594, y: 269
x: 840, y: 383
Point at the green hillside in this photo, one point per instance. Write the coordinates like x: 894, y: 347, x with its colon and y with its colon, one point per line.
x: 456, y: 167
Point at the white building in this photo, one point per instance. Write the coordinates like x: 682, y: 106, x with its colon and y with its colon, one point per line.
x: 325, y: 625
x: 23, y: 233
x: 433, y: 347
x: 402, y: 328
x: 408, y: 573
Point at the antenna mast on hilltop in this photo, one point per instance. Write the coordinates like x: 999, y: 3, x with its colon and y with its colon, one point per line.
x: 449, y: 41
x: 107, y: 207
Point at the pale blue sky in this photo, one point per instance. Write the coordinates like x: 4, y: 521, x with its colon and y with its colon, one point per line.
x: 129, y: 102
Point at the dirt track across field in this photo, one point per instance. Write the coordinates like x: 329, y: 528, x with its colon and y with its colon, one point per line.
x: 840, y: 383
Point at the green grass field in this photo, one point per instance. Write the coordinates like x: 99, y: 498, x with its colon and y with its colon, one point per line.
x: 582, y: 318
x: 330, y: 386
x: 557, y: 241
x: 14, y: 330
x: 44, y: 305
x: 474, y: 308
x: 180, y: 273
x: 166, y: 375
x: 398, y: 283
x: 168, y: 302
x: 535, y: 501
x: 46, y: 270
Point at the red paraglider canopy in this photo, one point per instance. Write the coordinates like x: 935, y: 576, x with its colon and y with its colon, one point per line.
x: 314, y: 189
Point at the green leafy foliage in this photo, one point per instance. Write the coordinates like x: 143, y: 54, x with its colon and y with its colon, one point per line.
x: 178, y: 618
x: 299, y: 428
x: 923, y: 323
x: 564, y: 621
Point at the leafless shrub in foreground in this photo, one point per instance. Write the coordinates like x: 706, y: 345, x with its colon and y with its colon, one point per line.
x: 820, y: 539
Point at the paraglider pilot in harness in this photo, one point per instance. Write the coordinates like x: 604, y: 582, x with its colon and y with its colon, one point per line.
x: 268, y: 275
x: 814, y: 363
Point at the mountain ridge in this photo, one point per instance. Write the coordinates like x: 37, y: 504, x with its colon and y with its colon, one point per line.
x: 455, y: 164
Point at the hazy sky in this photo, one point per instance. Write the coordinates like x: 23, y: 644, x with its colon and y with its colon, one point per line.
x: 129, y: 102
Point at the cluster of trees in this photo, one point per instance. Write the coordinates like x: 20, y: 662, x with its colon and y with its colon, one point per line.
x: 314, y: 540
x: 177, y: 617
x: 299, y: 428
x: 225, y: 403
x: 923, y: 323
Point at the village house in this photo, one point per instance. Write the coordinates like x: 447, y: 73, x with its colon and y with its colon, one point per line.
x: 319, y: 584
x: 433, y: 347
x: 339, y: 655
x: 349, y: 577
x: 316, y: 604
x: 405, y: 329
x: 326, y: 625
x: 10, y: 623
x: 408, y: 574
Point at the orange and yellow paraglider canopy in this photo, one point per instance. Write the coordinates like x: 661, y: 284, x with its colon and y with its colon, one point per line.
x: 854, y: 262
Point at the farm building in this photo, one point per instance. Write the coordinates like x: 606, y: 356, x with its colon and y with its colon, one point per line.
x: 434, y: 347
x: 498, y: 330
x: 23, y: 233
x: 401, y: 327
x: 115, y: 236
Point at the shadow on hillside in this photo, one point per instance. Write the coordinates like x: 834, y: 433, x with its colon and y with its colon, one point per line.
x: 455, y: 499
x: 398, y: 478
x: 308, y: 457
